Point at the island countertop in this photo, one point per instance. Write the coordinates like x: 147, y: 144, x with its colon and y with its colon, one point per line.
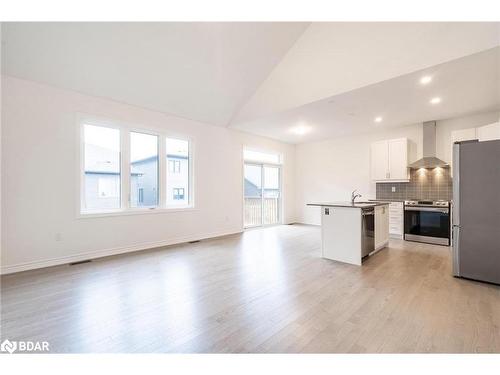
x: 348, y: 204
x: 388, y: 200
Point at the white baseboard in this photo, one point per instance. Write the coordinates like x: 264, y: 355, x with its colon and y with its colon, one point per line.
x: 381, y: 246
x: 112, y: 251
x: 305, y: 223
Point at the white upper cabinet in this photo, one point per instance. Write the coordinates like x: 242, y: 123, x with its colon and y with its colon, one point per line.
x: 379, y: 160
x: 398, y: 159
x: 463, y: 135
x: 488, y: 132
x: 389, y: 160
x: 482, y: 133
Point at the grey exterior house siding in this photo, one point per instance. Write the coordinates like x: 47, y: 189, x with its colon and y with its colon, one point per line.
x: 143, y: 184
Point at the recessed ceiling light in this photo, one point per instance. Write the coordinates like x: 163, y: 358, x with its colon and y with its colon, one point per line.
x: 436, y: 100
x: 378, y: 119
x: 425, y: 80
x: 300, y: 130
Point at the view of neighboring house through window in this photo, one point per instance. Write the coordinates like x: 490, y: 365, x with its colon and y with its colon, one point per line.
x: 178, y: 193
x: 101, y: 168
x: 253, y: 195
x: 174, y: 166
x: 140, y: 195
x: 108, y: 187
x: 157, y: 169
x: 262, y: 188
x: 178, y: 173
x: 143, y: 170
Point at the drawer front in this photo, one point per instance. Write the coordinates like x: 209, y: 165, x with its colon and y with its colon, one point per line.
x: 395, y: 217
x: 395, y: 220
x: 395, y: 229
x: 396, y: 205
x: 396, y: 213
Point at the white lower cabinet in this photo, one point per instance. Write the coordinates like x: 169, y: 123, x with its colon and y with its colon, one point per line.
x: 396, y: 219
x: 381, y: 226
x: 341, y: 231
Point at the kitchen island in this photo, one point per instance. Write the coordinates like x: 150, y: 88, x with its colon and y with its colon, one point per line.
x: 352, y: 231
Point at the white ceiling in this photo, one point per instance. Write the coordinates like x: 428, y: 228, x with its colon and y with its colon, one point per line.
x: 334, y: 57
x: 266, y: 77
x: 466, y: 85
x: 201, y: 71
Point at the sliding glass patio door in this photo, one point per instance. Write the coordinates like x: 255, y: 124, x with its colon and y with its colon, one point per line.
x: 262, y: 194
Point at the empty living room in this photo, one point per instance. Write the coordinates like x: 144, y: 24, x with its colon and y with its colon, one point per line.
x: 315, y: 187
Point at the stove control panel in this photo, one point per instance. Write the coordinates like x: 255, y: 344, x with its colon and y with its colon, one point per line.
x: 428, y: 203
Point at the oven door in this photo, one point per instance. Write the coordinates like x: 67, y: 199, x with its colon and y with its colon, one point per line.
x: 427, y: 224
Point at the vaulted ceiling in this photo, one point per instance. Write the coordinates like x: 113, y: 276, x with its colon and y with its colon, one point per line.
x: 264, y: 77
x: 201, y: 71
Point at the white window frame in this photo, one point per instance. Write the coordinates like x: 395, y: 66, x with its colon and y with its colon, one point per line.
x: 125, y: 207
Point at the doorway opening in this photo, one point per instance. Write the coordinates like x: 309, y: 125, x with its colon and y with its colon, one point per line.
x: 261, y: 189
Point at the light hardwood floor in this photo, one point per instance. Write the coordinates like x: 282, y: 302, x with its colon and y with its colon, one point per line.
x: 266, y: 290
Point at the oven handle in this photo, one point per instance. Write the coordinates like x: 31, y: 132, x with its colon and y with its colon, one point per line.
x: 429, y: 209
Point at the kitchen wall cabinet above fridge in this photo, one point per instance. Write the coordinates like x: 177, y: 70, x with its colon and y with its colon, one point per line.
x: 389, y: 160
x: 482, y: 133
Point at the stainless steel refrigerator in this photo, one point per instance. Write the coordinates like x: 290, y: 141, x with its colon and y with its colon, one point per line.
x: 476, y: 210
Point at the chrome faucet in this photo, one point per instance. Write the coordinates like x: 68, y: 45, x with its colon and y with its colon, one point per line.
x: 354, y: 195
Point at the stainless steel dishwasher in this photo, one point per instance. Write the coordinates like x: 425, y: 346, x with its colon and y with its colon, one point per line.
x: 367, y: 231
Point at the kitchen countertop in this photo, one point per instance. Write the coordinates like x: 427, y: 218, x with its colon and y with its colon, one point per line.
x: 348, y: 204
x: 387, y: 200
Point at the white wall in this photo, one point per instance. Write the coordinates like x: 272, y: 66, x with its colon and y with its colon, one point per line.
x: 1, y: 116
x: 329, y: 170
x: 39, y: 191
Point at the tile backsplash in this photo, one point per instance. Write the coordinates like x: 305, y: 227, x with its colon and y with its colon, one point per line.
x: 431, y: 184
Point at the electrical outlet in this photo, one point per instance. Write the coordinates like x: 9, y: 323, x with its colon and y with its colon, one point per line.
x: 393, y: 189
x: 58, y: 237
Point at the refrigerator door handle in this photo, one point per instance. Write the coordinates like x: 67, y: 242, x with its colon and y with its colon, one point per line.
x: 456, y: 250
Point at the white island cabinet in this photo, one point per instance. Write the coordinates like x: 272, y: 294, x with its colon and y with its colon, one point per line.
x: 381, y: 226
x: 350, y: 232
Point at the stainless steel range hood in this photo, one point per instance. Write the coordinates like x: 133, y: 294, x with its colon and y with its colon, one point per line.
x: 429, y: 149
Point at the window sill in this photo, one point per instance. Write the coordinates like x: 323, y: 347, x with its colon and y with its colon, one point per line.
x: 134, y: 211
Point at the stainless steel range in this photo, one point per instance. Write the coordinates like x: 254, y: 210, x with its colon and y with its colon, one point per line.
x: 427, y: 221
